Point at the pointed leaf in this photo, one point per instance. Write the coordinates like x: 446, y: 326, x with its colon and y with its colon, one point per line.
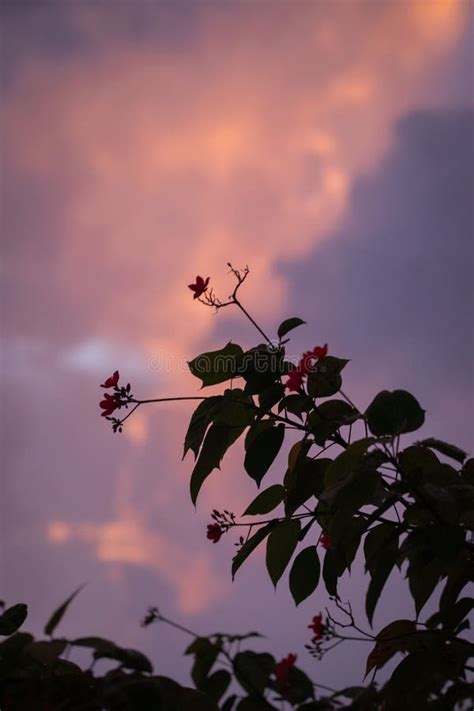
x: 218, y: 439
x: 57, y: 615
x: 334, y: 566
x: 374, y: 544
x: 304, y: 574
x: 281, y: 545
x: 249, y: 546
x: 200, y: 420
x: 12, y: 618
x: 265, y: 502
x: 379, y: 577
x: 217, y: 366
x: 395, y: 637
x: 449, y: 450
x: 261, y: 450
x: 288, y: 325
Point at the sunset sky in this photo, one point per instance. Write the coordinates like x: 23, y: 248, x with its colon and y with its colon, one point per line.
x: 329, y: 146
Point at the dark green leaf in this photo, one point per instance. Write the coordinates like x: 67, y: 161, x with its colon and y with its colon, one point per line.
x: 218, y: 439
x: 200, y: 421
x: 449, y: 450
x: 260, y: 368
x: 216, y: 684
x: 262, y: 446
x: 392, y: 413
x: 101, y: 646
x: 380, y: 574
x: 433, y: 552
x: 205, y: 654
x: 413, y: 672
x: 325, y: 379
x: 236, y: 409
x: 395, y: 637
x: 333, y: 567
x: 265, y: 502
x: 304, y: 481
x: 339, y: 472
x: 300, y: 687
x: 269, y: 397
x: 250, y: 545
x: 217, y: 366
x: 281, y: 544
x: 329, y: 417
x: 128, y: 658
x: 252, y: 670
x: 452, y: 616
x: 296, y: 404
x: 46, y: 652
x: 288, y: 325
x: 375, y: 542
x: 304, y: 574
x: 422, y: 580
x: 57, y: 615
x: 12, y: 618
x: 105, y: 649
x: 345, y: 533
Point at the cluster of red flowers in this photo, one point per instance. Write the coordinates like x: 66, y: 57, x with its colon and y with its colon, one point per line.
x: 282, y: 671
x: 199, y: 287
x: 318, y: 627
x: 325, y: 540
x: 214, y: 532
x: 307, y: 360
x: 110, y: 402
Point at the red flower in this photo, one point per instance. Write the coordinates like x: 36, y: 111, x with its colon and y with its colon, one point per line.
x: 325, y: 540
x: 318, y: 627
x: 214, y: 532
x: 295, y: 380
x: 308, y: 358
x: 199, y: 287
x: 112, y: 381
x: 320, y: 351
x: 109, y: 404
x: 282, y: 671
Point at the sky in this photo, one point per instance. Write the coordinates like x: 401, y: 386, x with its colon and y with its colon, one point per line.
x: 329, y: 146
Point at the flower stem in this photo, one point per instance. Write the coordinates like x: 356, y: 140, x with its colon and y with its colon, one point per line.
x: 244, y: 311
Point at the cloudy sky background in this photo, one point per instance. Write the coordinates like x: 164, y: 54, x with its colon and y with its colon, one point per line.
x: 328, y: 145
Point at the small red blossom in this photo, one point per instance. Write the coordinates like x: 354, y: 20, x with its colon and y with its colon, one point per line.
x: 199, y: 287
x: 318, y: 627
x: 282, y: 671
x: 306, y: 363
x: 110, y: 404
x: 320, y: 351
x: 112, y: 381
x: 308, y: 358
x: 214, y: 532
x: 325, y: 540
x: 295, y: 380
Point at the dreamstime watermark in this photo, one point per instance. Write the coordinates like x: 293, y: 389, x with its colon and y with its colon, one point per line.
x: 262, y: 360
